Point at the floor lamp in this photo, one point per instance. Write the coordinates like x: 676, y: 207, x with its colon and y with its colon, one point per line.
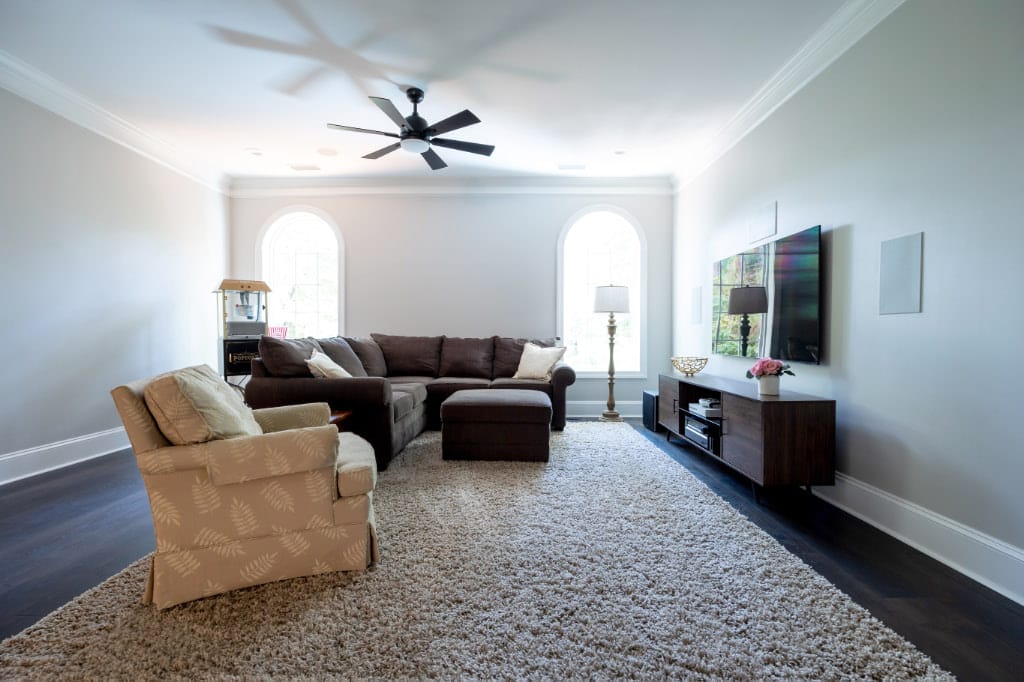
x: 611, y: 299
x: 747, y: 301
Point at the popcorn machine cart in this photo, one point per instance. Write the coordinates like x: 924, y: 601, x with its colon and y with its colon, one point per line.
x: 243, y: 315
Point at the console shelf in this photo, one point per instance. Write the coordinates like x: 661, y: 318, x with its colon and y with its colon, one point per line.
x: 788, y: 439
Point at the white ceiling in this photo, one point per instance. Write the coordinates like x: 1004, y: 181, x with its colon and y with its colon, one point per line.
x: 566, y: 82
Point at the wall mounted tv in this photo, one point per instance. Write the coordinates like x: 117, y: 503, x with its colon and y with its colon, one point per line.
x: 790, y: 271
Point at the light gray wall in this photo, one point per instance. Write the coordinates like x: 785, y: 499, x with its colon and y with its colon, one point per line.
x: 106, y: 266
x: 917, y: 128
x: 468, y: 264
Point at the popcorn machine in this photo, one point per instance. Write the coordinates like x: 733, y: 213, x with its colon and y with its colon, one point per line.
x: 243, y: 318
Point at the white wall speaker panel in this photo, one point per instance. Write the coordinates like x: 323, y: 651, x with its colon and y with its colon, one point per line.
x: 899, y: 288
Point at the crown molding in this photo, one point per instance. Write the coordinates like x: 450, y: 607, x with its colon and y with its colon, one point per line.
x: 28, y: 82
x: 843, y: 30
x: 251, y: 188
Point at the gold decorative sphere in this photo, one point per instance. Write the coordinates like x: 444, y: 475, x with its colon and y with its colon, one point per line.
x: 689, y: 365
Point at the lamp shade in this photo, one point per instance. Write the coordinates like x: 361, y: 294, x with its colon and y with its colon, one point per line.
x: 748, y: 300
x: 611, y: 299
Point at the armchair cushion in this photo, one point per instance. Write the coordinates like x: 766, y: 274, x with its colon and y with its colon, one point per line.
x: 194, y: 405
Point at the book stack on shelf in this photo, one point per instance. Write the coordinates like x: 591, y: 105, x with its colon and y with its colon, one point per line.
x: 707, y: 408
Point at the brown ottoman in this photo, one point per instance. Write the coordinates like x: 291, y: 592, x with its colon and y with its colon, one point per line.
x: 499, y: 423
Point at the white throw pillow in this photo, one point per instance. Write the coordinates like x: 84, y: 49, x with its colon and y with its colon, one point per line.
x: 537, y: 362
x: 321, y: 366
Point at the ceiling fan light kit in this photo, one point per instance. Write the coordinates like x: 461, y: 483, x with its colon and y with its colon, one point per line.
x: 415, y: 145
x: 417, y: 136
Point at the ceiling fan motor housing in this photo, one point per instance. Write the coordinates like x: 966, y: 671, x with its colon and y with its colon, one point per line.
x: 416, y: 135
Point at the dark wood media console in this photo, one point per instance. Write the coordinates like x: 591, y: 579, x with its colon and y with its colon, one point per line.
x: 788, y: 439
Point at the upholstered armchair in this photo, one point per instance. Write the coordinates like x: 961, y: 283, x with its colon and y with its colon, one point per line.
x: 281, y: 496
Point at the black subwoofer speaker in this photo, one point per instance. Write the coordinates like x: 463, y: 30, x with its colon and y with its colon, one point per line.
x: 651, y: 410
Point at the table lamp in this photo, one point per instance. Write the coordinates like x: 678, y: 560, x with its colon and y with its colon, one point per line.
x: 747, y: 301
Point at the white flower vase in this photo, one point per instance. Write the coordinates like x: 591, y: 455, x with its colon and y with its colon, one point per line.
x: 768, y: 384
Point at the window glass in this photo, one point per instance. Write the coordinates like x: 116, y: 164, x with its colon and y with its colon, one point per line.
x: 600, y: 248
x: 300, y: 263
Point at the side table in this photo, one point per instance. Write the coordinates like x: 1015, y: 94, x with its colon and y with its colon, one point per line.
x: 338, y: 418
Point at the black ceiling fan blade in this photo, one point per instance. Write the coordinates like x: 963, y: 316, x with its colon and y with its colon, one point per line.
x: 383, y: 150
x: 471, y: 147
x: 361, y: 130
x: 460, y: 120
x: 433, y: 160
x: 390, y: 110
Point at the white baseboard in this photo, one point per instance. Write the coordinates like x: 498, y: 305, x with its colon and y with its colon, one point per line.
x: 991, y: 562
x: 43, y: 458
x: 594, y: 408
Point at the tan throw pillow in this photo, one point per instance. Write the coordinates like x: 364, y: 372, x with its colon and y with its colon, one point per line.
x: 194, y: 405
x: 322, y: 367
x: 537, y: 362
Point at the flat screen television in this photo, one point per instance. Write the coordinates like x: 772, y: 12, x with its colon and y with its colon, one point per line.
x: 790, y: 271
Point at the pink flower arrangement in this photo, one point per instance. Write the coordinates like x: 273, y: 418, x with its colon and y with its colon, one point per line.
x: 766, y: 367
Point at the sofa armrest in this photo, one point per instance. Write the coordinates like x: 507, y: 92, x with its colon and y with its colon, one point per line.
x: 563, y: 375
x: 341, y: 394
x: 272, y: 419
x: 236, y: 460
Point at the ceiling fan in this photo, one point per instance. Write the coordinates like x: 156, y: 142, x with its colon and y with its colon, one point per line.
x: 417, y: 135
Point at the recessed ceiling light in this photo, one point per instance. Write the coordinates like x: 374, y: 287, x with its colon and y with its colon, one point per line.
x: 254, y: 151
x: 619, y: 152
x: 572, y: 166
x: 327, y: 151
x: 305, y: 167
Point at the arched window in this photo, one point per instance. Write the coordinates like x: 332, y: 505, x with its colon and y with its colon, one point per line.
x: 300, y: 262
x: 598, y: 248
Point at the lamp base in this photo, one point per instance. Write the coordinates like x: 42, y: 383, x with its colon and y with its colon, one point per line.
x: 610, y: 416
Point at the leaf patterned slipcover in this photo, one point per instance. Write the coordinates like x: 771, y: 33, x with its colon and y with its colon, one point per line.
x: 296, y: 500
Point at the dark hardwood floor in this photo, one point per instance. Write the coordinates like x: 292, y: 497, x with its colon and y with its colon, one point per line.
x: 65, y: 531
x: 968, y: 629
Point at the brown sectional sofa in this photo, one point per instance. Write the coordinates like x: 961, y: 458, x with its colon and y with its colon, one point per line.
x: 398, y: 382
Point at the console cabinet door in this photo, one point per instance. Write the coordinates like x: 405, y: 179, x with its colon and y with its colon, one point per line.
x: 668, y: 403
x: 742, y: 438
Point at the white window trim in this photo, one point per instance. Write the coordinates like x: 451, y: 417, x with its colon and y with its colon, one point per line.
x: 339, y: 237
x: 559, y: 268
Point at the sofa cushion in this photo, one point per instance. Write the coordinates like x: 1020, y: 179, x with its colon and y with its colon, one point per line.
x: 337, y: 349
x: 194, y: 405
x: 467, y: 357
x: 322, y: 367
x: 369, y: 355
x: 537, y: 362
x: 287, y: 357
x: 439, y: 389
x: 508, y: 351
x: 524, y: 383
x: 418, y: 391
x: 404, y: 403
x: 410, y: 355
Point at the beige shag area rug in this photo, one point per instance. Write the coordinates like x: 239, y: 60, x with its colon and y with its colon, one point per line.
x: 609, y: 561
